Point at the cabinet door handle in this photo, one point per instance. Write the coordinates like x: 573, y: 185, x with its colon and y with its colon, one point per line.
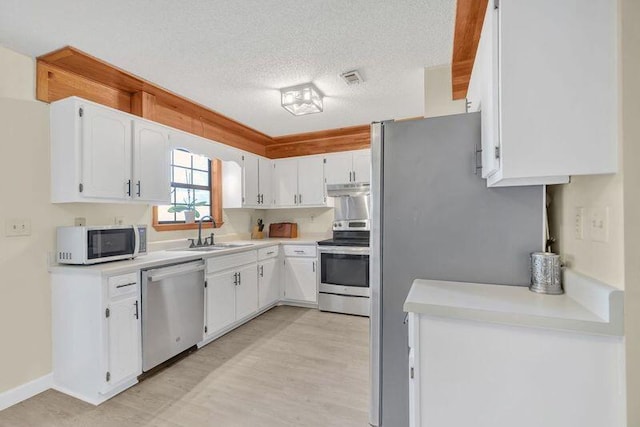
x: 139, y: 188
x: 137, y: 311
x: 239, y: 279
x: 258, y: 197
x: 235, y: 279
x: 350, y: 173
x: 300, y: 199
x: 314, y: 266
x: 295, y: 199
x: 354, y: 176
x: 129, y: 188
x: 262, y: 271
x: 125, y: 285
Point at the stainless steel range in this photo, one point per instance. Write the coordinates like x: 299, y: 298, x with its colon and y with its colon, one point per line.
x: 344, y: 260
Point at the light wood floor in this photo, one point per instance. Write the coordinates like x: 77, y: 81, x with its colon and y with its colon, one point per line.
x: 289, y: 367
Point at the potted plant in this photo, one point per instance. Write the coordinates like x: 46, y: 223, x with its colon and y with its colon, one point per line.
x: 189, y: 209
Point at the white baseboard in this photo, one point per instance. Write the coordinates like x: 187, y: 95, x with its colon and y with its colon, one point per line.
x: 25, y: 391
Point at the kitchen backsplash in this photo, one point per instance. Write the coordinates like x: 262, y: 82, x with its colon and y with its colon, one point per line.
x: 310, y: 220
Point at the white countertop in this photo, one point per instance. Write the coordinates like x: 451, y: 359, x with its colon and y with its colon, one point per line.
x: 588, y: 306
x: 157, y: 258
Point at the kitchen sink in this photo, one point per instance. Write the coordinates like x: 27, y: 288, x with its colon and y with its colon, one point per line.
x: 216, y: 247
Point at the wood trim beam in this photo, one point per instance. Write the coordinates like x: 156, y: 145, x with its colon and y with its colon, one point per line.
x: 87, y: 76
x: 71, y: 72
x: 325, y: 141
x: 468, y: 26
x: 143, y: 104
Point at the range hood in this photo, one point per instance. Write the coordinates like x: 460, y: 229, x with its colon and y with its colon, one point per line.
x: 354, y: 189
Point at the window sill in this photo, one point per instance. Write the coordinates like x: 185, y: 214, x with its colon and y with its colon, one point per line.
x: 174, y: 227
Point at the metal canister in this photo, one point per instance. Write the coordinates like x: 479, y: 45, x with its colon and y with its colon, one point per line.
x: 546, y: 273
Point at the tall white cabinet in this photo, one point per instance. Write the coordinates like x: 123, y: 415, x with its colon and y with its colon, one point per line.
x: 546, y: 81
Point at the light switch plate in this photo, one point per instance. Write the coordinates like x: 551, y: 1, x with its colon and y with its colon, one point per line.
x: 599, y: 224
x: 17, y: 227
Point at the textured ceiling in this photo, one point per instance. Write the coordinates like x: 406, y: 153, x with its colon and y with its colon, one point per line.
x: 232, y: 56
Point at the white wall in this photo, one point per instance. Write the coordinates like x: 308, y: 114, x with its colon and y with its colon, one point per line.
x: 438, y: 93
x: 601, y: 260
x: 630, y: 13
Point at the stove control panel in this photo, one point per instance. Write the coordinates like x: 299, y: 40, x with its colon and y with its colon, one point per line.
x: 352, y: 225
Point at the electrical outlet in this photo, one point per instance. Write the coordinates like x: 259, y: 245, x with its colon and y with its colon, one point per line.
x: 599, y: 224
x: 80, y: 221
x: 17, y: 227
x: 579, y: 223
x: 118, y: 220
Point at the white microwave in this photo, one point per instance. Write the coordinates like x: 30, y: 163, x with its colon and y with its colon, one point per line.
x: 92, y: 245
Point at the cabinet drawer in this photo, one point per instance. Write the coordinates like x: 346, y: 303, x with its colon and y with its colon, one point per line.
x: 270, y: 252
x: 226, y: 262
x: 124, y: 284
x: 300, y: 250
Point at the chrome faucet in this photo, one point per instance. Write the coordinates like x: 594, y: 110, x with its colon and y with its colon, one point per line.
x: 199, y: 242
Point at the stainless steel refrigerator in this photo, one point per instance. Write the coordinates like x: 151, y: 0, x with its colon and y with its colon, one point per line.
x: 433, y: 217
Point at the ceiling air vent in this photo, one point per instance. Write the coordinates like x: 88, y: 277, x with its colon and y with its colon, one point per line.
x: 352, y: 77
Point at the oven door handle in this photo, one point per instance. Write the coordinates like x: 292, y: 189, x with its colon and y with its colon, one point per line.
x: 342, y: 250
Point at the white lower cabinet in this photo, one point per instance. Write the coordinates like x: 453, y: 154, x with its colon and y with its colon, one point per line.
x: 96, y: 334
x: 124, y: 339
x: 301, y: 274
x: 220, y: 300
x: 246, y: 291
x: 269, y: 277
x: 231, y: 291
x: 502, y: 375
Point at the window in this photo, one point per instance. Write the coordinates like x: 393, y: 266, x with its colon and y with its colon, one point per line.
x: 195, y: 186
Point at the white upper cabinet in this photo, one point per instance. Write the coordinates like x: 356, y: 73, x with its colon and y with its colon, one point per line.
x: 265, y: 176
x: 348, y: 167
x: 106, y: 153
x: 362, y: 166
x: 311, y: 181
x: 151, y: 180
x: 546, y: 81
x: 339, y: 168
x: 99, y: 154
x: 257, y: 181
x: 299, y: 181
x: 251, y: 196
x: 285, y: 181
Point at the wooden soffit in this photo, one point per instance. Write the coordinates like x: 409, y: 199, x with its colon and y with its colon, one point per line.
x: 71, y: 72
x: 326, y: 141
x: 468, y: 26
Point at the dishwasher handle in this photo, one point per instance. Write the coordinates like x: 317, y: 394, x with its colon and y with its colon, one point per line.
x: 174, y: 270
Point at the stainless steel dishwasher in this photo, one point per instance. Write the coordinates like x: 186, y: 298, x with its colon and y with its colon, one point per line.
x: 172, y: 311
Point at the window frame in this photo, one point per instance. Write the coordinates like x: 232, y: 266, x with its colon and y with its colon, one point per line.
x: 215, y: 183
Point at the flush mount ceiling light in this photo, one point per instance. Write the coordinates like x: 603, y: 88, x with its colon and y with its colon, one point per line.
x: 302, y: 99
